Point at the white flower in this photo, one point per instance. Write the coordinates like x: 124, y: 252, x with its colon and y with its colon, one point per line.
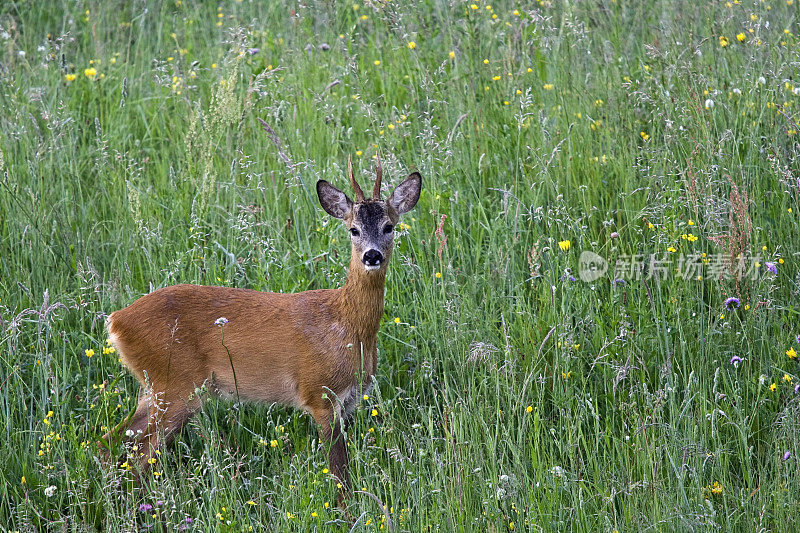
x: 796, y: 91
x: 21, y: 53
x: 737, y: 91
x: 221, y: 321
x: 761, y: 80
x: 709, y: 103
x: 49, y: 491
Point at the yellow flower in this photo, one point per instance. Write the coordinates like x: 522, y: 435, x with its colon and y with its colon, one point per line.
x: 438, y: 275
x: 473, y: 6
x: 547, y: 86
x: 723, y: 41
x: 250, y: 502
x: 89, y: 352
x: 273, y: 443
x: 791, y: 353
x: 313, y: 514
x: 644, y: 135
x: 70, y: 77
x: 529, y: 409
x: 452, y: 54
x: 397, y: 320
x: 376, y: 62
x: 564, y: 245
x: 90, y: 72
x: 773, y: 387
x: 411, y: 45
x: 787, y: 378
x: 740, y: 37
x: 374, y: 412
x: 716, y: 488
x: 324, y: 470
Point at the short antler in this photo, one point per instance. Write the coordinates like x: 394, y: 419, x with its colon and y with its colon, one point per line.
x: 376, y: 191
x: 356, y: 188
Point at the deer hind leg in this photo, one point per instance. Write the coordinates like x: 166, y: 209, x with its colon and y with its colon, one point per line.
x: 133, y: 426
x: 166, y: 416
x: 330, y: 424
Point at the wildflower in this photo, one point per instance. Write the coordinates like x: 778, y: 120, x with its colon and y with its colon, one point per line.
x: 529, y: 409
x: 740, y: 37
x: 547, y: 86
x: 771, y: 267
x: 324, y: 470
x: 145, y: 507
x: 723, y: 41
x: 716, y: 488
x: 564, y: 245
x: 273, y: 443
x: 221, y: 321
x: 644, y: 136
x: 313, y: 514
x: 374, y: 412
x: 787, y: 378
x: 452, y: 54
x: 791, y: 353
x: 761, y: 80
x: 735, y: 360
x: 90, y: 72
x: 709, y: 103
x: 49, y: 491
x: 70, y: 77
x: 397, y: 320
x: 438, y: 275
x: 732, y: 303
x: 250, y: 503
x: 773, y: 387
x: 89, y: 352
x: 411, y: 45
x: 376, y: 62
x: 787, y: 455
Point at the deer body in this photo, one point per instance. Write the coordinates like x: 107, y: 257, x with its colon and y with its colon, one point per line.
x: 314, y: 350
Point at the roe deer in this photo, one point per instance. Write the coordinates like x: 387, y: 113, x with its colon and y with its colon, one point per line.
x: 309, y: 350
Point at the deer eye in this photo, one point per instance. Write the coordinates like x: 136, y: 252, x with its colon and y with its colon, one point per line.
x: 388, y: 228
x: 354, y: 232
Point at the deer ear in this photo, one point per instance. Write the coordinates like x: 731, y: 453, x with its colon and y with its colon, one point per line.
x: 333, y: 201
x: 405, y: 196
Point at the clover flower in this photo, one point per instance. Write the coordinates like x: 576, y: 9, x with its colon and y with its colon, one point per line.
x: 732, y: 303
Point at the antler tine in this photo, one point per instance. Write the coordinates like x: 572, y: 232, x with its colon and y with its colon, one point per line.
x: 353, y: 182
x: 376, y: 191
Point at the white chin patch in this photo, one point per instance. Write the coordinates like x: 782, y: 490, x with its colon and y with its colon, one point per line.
x: 371, y: 267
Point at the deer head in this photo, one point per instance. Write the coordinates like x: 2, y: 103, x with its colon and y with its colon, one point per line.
x: 371, y: 221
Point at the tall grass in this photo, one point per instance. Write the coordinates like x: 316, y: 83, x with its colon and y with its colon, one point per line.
x: 511, y: 394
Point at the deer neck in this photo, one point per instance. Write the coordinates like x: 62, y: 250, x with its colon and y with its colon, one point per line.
x: 362, y: 301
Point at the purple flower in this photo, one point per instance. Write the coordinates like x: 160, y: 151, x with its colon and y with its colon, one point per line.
x: 787, y: 455
x: 797, y: 388
x: 771, y: 267
x: 735, y: 360
x: 145, y: 507
x: 797, y: 338
x: 252, y: 51
x: 221, y: 321
x: 620, y: 281
x: 732, y: 303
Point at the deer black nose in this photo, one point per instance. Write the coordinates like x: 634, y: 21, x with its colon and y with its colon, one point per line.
x: 372, y: 258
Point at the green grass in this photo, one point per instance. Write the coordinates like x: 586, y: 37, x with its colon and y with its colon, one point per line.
x: 579, y: 121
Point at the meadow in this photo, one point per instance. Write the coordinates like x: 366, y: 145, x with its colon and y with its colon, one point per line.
x: 517, y: 389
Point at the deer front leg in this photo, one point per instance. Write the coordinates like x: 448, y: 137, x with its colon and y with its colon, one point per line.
x: 330, y: 425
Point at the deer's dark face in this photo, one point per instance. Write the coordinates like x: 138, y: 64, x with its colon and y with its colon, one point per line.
x: 371, y: 222
x: 371, y: 229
